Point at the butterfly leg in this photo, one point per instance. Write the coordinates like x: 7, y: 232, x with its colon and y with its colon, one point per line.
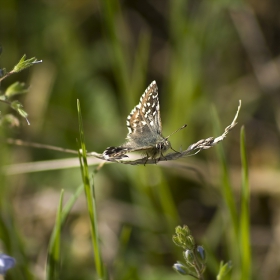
x: 162, y: 155
x: 157, y: 158
x: 147, y: 157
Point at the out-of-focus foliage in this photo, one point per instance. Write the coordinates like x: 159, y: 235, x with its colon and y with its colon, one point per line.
x: 15, y: 89
x: 105, y: 53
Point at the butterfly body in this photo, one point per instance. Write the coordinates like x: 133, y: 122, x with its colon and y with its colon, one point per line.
x: 144, y: 129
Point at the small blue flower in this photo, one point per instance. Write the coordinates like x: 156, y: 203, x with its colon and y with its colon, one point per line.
x: 180, y: 268
x: 201, y: 253
x: 6, y: 262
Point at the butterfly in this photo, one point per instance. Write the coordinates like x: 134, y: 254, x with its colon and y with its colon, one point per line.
x: 144, y: 129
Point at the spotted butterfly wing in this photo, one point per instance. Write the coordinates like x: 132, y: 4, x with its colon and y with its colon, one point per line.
x: 144, y: 128
x: 144, y: 123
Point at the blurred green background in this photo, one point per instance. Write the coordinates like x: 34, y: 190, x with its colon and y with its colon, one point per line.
x: 204, y: 54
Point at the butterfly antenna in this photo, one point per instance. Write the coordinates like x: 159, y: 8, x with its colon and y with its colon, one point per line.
x: 185, y: 125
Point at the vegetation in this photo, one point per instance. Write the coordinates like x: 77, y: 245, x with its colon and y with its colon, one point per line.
x: 65, y: 217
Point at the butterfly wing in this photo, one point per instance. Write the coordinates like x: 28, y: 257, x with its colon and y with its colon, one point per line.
x: 144, y: 122
x: 144, y: 126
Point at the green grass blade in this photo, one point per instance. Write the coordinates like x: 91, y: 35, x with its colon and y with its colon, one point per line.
x: 245, y: 248
x: 65, y: 211
x: 53, y: 263
x: 224, y: 271
x: 90, y: 197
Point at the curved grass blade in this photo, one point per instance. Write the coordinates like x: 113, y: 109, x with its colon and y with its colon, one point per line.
x: 53, y: 263
x: 90, y: 197
x: 245, y: 247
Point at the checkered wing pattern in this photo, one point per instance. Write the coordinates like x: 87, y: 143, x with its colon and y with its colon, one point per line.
x: 144, y: 120
x: 144, y: 128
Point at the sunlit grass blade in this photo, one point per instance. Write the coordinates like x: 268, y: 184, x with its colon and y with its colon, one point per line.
x: 90, y: 197
x: 245, y: 247
x: 224, y: 271
x: 53, y: 263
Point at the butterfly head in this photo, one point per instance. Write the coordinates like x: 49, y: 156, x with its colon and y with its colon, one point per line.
x: 163, y: 145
